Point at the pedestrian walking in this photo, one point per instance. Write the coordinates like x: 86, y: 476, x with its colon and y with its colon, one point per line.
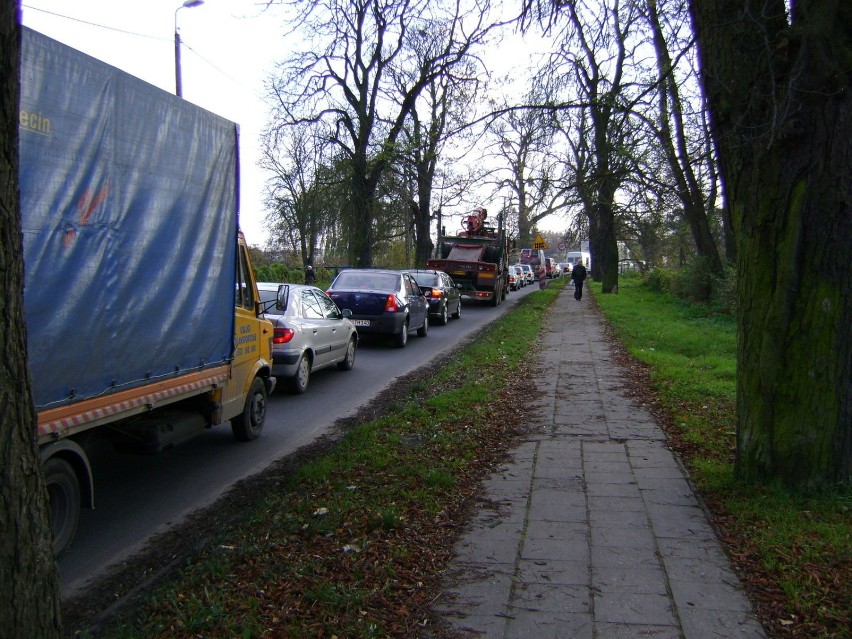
x: 310, y: 276
x: 578, y: 276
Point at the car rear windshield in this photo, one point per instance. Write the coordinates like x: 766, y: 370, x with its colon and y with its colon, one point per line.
x: 426, y: 279
x: 366, y: 281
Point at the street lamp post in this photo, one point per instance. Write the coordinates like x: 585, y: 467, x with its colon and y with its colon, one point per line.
x: 188, y: 4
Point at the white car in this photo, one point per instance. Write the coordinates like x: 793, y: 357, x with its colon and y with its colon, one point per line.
x: 310, y: 332
x: 529, y: 274
x: 517, y: 279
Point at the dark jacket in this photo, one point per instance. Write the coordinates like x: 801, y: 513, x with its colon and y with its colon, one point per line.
x: 579, y: 273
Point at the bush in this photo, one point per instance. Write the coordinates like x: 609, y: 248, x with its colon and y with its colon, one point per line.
x: 697, y: 282
x: 284, y: 274
x: 725, y: 298
x: 659, y: 280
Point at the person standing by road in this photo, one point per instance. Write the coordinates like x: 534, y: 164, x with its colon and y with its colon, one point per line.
x: 578, y: 275
x: 310, y: 276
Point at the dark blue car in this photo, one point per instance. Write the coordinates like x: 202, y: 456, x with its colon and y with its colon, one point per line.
x: 382, y: 302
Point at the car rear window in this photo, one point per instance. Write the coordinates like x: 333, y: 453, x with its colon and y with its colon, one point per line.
x: 366, y: 281
x: 426, y: 279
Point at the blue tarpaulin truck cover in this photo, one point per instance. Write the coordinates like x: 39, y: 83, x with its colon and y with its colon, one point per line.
x: 129, y: 200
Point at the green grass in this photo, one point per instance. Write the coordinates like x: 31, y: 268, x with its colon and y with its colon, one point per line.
x: 351, y: 543
x: 352, y: 532
x: 798, y: 545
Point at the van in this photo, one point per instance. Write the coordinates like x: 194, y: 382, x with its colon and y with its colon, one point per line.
x: 573, y: 257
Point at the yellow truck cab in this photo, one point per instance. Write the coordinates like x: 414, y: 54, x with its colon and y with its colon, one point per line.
x: 244, y: 399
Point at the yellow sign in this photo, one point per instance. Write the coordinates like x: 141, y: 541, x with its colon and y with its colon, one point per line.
x: 539, y: 243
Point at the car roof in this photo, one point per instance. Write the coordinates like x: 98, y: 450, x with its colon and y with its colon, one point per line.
x: 370, y: 270
x: 273, y: 286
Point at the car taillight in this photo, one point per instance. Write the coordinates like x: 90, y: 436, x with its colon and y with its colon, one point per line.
x: 282, y: 335
x: 391, y: 306
x: 433, y: 292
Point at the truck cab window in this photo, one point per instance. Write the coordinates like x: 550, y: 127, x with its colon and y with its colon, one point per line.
x: 245, y: 288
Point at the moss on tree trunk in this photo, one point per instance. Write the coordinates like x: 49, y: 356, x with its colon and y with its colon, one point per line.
x: 783, y: 126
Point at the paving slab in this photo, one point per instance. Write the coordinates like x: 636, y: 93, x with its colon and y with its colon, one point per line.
x: 592, y: 529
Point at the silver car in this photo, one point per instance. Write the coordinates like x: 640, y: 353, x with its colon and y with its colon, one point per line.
x: 311, y: 332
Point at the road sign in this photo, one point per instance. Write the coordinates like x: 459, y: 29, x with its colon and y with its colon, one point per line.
x: 562, y: 246
x: 539, y: 243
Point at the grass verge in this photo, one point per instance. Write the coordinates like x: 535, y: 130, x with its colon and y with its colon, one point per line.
x: 792, y: 551
x: 354, y: 542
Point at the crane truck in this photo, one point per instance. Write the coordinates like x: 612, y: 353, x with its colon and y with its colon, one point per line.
x: 477, y: 258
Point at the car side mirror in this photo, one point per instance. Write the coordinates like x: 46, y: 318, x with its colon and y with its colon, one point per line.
x: 281, y: 298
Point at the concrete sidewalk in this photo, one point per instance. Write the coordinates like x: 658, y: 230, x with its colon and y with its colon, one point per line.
x: 592, y: 531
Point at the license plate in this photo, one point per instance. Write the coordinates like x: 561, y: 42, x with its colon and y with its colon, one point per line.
x: 361, y: 322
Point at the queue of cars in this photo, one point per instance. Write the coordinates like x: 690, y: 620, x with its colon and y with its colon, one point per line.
x: 316, y: 329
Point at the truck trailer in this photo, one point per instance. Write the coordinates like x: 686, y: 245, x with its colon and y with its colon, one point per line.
x: 144, y: 326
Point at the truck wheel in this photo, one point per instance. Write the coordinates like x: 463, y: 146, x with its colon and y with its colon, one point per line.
x: 401, y: 338
x: 348, y: 360
x: 498, y: 293
x: 63, y: 491
x: 247, y: 426
x: 299, y: 382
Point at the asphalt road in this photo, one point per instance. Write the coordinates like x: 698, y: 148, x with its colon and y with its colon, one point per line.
x: 140, y: 496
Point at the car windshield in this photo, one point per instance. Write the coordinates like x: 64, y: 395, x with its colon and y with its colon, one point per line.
x: 426, y: 279
x: 366, y: 281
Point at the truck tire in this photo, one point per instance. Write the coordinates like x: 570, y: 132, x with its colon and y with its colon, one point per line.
x: 498, y: 293
x: 63, y: 491
x: 247, y: 426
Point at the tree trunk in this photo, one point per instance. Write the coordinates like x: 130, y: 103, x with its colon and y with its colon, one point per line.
x: 783, y: 125
x: 28, y: 577
x: 361, y: 246
x: 422, y: 229
x: 605, y: 247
